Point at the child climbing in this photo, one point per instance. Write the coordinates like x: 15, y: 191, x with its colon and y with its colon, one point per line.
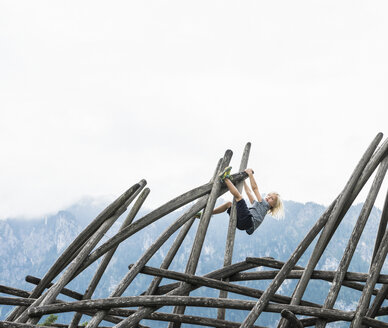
x: 249, y: 219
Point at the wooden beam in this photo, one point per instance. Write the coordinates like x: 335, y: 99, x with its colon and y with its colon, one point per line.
x: 291, y: 318
x: 275, y: 284
x: 199, y: 238
x: 108, y: 256
x: 199, y: 281
x: 68, y: 255
x: 354, y: 239
x: 340, y: 208
x: 232, y: 227
x: 156, y: 301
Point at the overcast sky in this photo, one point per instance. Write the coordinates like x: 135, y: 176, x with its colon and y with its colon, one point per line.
x: 97, y: 95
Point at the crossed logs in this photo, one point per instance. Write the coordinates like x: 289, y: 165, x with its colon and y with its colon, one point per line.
x: 82, y: 252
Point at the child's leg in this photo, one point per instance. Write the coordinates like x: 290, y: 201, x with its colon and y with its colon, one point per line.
x: 244, y: 217
x: 233, y: 190
x: 222, y: 208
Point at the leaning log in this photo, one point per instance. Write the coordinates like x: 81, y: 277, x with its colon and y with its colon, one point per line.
x: 68, y: 255
x: 199, y: 238
x: 353, y: 239
x: 66, y: 277
x: 335, y: 217
x: 232, y: 226
x: 108, y: 256
x: 370, y: 167
x: 374, y: 272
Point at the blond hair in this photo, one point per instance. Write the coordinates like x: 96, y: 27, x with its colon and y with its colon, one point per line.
x: 277, y: 211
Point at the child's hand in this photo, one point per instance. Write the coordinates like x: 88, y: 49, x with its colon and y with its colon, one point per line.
x: 249, y: 171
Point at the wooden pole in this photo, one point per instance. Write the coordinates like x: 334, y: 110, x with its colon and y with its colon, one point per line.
x: 232, y: 227
x: 154, y: 216
x: 370, y: 283
x: 317, y: 274
x: 291, y: 318
x: 135, y: 269
x: 13, y: 291
x: 170, y: 255
x: 177, y: 243
x: 383, y: 292
x: 332, y: 221
x: 199, y: 281
x: 151, y: 300
x: 134, y: 319
x: 108, y: 256
x: 275, y: 284
x: 200, y: 235
x: 354, y: 239
x: 66, y: 277
x: 64, y: 291
x: 68, y: 255
x: 382, y: 226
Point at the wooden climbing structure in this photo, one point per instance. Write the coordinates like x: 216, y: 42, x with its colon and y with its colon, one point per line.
x: 130, y: 311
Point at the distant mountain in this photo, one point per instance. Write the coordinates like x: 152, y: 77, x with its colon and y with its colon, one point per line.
x: 30, y: 247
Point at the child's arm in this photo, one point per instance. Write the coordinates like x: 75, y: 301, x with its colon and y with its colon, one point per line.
x: 254, y: 185
x: 248, y: 192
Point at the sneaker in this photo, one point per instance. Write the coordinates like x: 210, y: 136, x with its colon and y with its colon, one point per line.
x: 198, y: 215
x: 225, y: 173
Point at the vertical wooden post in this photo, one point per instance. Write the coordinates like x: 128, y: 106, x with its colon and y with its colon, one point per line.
x: 232, y: 228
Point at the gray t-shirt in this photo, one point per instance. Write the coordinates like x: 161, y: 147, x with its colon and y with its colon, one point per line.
x: 258, y: 211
